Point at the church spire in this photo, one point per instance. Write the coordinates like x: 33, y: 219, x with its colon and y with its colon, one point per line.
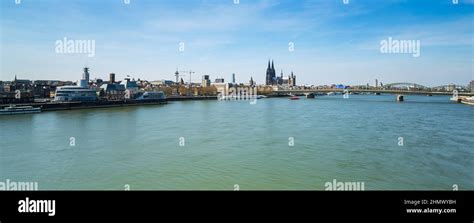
x: 273, y: 67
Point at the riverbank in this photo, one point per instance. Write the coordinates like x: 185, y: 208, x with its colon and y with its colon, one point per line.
x: 59, y: 106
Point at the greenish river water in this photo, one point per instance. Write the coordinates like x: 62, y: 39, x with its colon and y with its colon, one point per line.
x: 274, y: 144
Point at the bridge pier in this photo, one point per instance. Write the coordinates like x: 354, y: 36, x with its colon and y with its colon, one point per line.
x: 309, y: 95
x: 400, y: 98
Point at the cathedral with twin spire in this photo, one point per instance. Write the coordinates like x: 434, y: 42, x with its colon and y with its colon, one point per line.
x: 272, y: 79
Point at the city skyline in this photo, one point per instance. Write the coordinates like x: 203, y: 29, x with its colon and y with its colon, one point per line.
x: 332, y: 42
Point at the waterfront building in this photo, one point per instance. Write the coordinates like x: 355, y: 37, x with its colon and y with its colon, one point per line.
x: 8, y: 88
x: 20, y: 84
x: 75, y: 93
x: 206, y: 82
x: 471, y: 86
x: 219, y: 80
x: 9, y: 97
x: 113, y: 91
x: 130, y: 84
x: 43, y: 88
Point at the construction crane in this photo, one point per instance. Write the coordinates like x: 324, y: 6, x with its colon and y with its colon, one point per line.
x: 190, y: 73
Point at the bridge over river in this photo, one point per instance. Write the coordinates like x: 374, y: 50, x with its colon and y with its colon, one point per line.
x: 373, y: 91
x: 399, y: 89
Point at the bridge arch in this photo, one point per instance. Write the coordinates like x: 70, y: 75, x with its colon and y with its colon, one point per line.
x: 405, y: 85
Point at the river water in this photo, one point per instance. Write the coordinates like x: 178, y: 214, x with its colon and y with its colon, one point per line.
x: 422, y: 143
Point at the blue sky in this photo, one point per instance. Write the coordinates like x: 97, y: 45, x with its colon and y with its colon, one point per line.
x: 333, y: 42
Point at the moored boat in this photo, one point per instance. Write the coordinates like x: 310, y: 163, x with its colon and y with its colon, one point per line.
x: 13, y: 110
x: 468, y: 100
x: 294, y: 97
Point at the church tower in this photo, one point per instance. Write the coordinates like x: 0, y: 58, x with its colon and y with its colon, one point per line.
x: 274, y: 79
x: 271, y: 74
x: 268, y: 79
x: 292, y: 80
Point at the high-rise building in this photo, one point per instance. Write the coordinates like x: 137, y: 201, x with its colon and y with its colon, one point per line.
x: 233, y: 78
x: 251, y: 82
x: 206, y: 82
x: 471, y: 86
x: 376, y: 83
x: 85, y: 78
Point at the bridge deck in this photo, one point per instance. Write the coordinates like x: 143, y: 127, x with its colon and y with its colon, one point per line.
x: 402, y: 92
